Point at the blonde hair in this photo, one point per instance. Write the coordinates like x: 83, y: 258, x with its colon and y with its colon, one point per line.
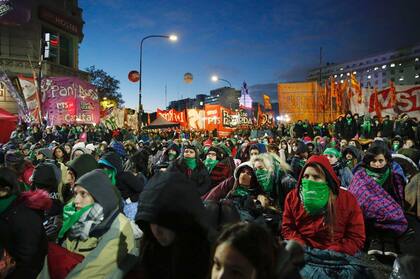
x: 265, y: 159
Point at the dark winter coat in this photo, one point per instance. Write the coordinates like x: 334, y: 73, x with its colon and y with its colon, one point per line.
x: 22, y: 233
x: 169, y: 200
x: 388, y: 129
x: 349, y: 131
x: 199, y: 175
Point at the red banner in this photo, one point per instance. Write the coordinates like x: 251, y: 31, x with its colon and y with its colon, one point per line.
x: 174, y: 116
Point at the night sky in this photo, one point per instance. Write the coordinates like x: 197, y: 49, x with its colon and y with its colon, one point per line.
x: 260, y: 42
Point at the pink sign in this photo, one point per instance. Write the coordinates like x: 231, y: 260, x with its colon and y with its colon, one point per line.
x: 69, y: 100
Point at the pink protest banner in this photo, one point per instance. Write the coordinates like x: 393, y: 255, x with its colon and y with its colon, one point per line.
x: 69, y: 100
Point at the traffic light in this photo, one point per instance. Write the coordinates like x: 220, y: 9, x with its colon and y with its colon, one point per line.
x: 51, y: 45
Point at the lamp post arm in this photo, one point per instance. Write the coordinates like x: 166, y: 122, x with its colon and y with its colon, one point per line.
x: 140, y: 112
x: 228, y: 82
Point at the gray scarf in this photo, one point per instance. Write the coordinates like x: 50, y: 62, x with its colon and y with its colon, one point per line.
x: 87, y: 222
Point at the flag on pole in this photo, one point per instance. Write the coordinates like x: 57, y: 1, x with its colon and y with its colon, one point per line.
x: 355, y: 85
x: 267, y: 104
x: 376, y: 104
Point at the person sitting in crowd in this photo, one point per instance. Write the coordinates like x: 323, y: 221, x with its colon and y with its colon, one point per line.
x: 176, y: 232
x: 299, y: 158
x: 21, y: 231
x: 325, y: 218
x: 47, y: 177
x: 218, y: 164
x: 191, y: 166
x: 94, y: 228
x: 246, y: 250
x: 379, y: 189
x: 23, y: 169
x: 340, y: 168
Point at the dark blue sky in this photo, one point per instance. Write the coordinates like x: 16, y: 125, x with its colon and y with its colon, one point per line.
x: 257, y: 41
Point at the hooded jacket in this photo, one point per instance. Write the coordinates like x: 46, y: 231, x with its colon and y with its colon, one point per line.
x: 199, y: 175
x: 22, y: 233
x: 348, y: 232
x: 112, y: 160
x: 110, y: 250
x: 169, y: 200
x: 224, y: 187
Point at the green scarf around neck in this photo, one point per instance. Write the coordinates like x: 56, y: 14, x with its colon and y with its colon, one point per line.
x: 112, y: 175
x: 71, y: 216
x: 191, y: 163
x: 6, y: 202
x: 210, y: 164
x: 241, y: 191
x: 349, y: 120
x: 379, y: 178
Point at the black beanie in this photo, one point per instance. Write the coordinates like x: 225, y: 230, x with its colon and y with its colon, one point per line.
x: 46, y: 176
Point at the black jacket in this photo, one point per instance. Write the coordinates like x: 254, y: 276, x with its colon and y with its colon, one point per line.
x: 199, y: 175
x: 169, y: 200
x: 22, y: 233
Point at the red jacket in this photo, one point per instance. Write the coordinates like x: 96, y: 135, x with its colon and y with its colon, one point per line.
x: 349, y: 229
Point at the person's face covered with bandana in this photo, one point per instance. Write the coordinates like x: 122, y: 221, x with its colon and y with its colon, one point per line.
x: 314, y: 190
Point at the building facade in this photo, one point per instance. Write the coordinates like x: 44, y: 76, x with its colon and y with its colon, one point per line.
x: 22, y: 26
x: 401, y: 66
x: 226, y: 96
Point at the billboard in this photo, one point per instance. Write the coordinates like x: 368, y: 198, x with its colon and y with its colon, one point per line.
x: 69, y: 100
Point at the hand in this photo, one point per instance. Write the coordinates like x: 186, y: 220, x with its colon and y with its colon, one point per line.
x: 265, y: 202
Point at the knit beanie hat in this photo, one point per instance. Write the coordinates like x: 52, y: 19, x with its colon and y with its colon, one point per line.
x: 46, y: 152
x: 46, y: 176
x: 332, y: 151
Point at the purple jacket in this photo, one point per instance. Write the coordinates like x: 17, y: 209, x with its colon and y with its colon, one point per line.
x: 377, y: 204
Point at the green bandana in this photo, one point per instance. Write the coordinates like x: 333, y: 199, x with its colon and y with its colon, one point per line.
x: 314, y: 195
x: 6, y: 202
x: 171, y: 156
x: 264, y: 178
x: 191, y: 163
x: 241, y: 191
x: 366, y: 126
x: 71, y: 216
x: 395, y: 147
x: 379, y: 178
x: 349, y: 120
x: 111, y: 175
x: 23, y: 187
x: 210, y: 164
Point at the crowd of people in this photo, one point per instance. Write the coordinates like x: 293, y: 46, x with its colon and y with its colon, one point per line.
x: 295, y: 201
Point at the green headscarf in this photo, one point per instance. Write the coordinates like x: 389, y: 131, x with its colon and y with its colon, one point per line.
x: 264, y: 179
x: 210, y: 164
x: 111, y: 173
x: 71, y: 216
x: 379, y: 178
x: 191, y: 163
x: 5, y: 202
x: 332, y: 151
x: 314, y: 195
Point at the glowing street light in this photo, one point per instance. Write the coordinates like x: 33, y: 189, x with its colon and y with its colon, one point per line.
x: 215, y: 78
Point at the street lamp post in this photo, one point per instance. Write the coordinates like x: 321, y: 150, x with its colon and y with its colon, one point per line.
x: 169, y: 37
x: 216, y: 78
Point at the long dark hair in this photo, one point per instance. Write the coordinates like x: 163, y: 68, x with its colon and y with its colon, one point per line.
x: 8, y: 179
x: 255, y: 243
x: 374, y: 150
